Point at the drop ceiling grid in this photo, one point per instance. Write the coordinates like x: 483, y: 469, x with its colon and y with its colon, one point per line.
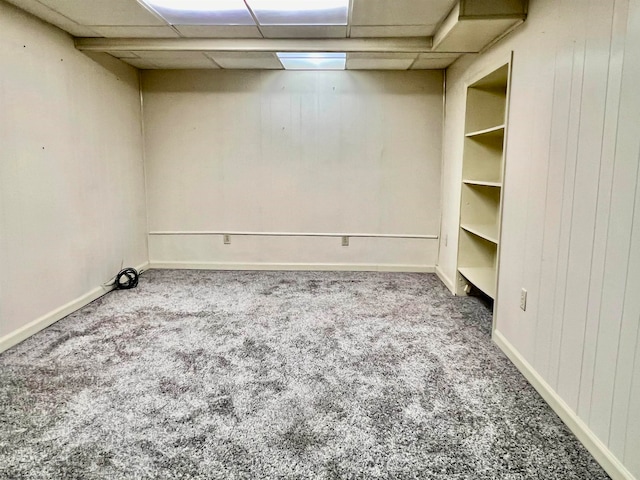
x: 269, y: 60
x: 101, y: 13
x: 130, y: 19
x: 120, y: 18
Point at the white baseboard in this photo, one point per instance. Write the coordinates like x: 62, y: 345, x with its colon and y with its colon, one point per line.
x: 52, y: 317
x: 581, y: 430
x: 357, y: 267
x: 446, y: 280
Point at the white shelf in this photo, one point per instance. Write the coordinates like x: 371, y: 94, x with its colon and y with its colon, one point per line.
x: 483, y: 278
x: 482, y: 175
x: 487, y: 231
x: 481, y: 183
x: 493, y: 131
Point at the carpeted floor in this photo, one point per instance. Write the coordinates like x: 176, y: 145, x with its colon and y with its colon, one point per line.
x: 278, y: 375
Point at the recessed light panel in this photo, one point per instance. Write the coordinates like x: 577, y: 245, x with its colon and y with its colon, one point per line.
x: 202, y: 12
x: 300, y: 12
x: 313, y: 61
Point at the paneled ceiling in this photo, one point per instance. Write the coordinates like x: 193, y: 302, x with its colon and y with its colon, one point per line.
x: 404, y: 32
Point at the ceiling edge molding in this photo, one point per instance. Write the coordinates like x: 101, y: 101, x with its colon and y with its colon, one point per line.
x: 388, y: 45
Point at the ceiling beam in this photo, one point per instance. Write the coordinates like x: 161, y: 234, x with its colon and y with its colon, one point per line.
x: 348, y: 45
x: 474, y: 25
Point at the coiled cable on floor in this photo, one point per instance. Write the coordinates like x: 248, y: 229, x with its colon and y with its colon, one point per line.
x: 126, y: 279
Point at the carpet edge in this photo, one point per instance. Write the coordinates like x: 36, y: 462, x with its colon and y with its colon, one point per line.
x: 356, y: 267
x: 445, y: 279
x: 605, y: 457
x: 21, y: 334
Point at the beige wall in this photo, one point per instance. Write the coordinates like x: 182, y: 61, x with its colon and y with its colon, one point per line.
x: 293, y: 152
x: 71, y: 174
x: 571, y: 220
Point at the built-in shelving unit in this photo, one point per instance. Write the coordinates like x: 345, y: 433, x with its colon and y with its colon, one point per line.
x: 481, y: 189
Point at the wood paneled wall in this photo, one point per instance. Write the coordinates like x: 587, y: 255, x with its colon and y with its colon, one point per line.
x: 294, y: 152
x: 571, y: 220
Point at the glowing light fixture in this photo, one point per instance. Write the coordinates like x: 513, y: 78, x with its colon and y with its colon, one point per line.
x: 202, y: 12
x: 313, y: 61
x: 300, y: 12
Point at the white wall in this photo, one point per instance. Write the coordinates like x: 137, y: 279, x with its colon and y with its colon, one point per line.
x: 571, y: 220
x: 293, y: 152
x: 72, y: 207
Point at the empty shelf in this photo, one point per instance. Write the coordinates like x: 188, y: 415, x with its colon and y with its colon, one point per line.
x: 482, y: 183
x: 482, y: 277
x: 492, y: 131
x: 487, y: 231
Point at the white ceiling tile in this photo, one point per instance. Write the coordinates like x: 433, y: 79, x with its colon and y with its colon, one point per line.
x: 434, y: 61
x: 216, y: 12
x: 98, y: 12
x: 136, y: 32
x: 400, y: 12
x: 248, y: 60
x: 380, y: 61
x: 51, y: 16
x: 218, y: 31
x: 304, y: 31
x: 392, y: 31
x: 307, y: 12
x: 174, y: 60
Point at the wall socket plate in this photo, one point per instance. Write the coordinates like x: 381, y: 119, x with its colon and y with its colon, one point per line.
x: 523, y: 300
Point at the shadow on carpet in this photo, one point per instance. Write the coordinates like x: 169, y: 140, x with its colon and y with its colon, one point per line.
x: 277, y: 375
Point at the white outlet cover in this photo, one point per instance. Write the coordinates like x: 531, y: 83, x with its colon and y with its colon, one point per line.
x: 523, y: 299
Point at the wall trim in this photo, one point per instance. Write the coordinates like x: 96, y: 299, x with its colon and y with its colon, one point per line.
x: 581, y: 430
x: 354, y: 267
x: 52, y: 317
x: 444, y: 279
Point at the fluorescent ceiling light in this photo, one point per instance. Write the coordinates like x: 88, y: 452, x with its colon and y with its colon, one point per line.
x: 313, y: 61
x: 202, y: 12
x: 300, y: 12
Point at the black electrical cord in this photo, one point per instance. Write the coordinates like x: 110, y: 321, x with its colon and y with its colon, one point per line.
x: 126, y: 279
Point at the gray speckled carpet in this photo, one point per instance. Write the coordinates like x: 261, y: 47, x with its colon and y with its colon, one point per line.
x: 278, y: 375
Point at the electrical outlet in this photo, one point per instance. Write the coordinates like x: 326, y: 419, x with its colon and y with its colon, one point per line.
x: 226, y: 239
x: 523, y: 299
x: 345, y: 241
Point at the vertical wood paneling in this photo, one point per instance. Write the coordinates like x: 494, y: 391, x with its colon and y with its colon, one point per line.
x: 607, y: 155
x: 632, y: 437
x: 542, y: 107
x: 619, y: 241
x: 581, y: 184
x: 550, y: 326
x: 627, y: 350
x: 569, y: 160
x: 582, y: 218
x: 282, y: 151
x: 630, y: 321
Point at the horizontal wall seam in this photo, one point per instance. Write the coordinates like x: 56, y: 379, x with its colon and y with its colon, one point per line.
x: 294, y: 234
